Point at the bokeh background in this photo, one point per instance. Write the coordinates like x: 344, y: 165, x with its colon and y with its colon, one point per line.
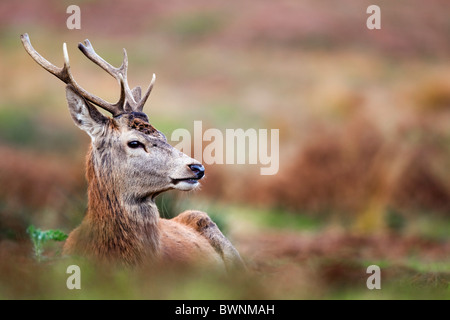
x: 364, y: 120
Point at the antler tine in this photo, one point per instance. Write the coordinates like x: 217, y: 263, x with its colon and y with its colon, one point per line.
x: 141, y: 103
x: 60, y: 73
x: 88, y: 51
x: 129, y: 101
x: 119, y: 74
x: 65, y: 75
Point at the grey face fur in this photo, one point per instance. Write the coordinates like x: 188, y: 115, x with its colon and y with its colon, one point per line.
x: 131, y: 152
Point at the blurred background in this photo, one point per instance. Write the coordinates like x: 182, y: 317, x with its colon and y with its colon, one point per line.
x: 364, y: 140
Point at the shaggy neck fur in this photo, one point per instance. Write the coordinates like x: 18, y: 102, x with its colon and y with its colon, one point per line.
x: 116, y: 229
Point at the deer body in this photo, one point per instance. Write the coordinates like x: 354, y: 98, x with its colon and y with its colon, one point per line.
x: 117, y: 229
x: 128, y: 164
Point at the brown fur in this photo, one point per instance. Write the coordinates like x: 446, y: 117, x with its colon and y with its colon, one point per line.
x: 202, y: 223
x: 142, y: 126
x: 179, y: 243
x: 110, y: 232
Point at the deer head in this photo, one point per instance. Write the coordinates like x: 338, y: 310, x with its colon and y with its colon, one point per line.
x: 127, y: 152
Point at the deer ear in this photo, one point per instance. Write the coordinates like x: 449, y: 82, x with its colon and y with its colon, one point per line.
x: 85, y: 115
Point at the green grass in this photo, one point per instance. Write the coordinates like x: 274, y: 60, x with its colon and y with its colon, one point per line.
x: 272, y: 218
x: 429, y: 267
x: 21, y: 128
x: 410, y: 280
x: 397, y: 290
x: 433, y: 228
x: 17, y: 126
x: 47, y: 281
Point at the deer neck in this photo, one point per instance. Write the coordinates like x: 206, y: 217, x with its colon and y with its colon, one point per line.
x: 123, y: 229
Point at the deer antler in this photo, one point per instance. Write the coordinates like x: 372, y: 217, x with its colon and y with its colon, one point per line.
x: 118, y: 73
x: 127, y: 101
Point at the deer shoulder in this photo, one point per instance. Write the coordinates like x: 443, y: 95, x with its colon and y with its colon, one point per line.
x: 202, y: 223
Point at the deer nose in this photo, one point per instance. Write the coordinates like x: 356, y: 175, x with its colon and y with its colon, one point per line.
x: 198, y: 169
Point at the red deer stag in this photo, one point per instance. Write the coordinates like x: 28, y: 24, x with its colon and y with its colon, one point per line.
x: 128, y: 164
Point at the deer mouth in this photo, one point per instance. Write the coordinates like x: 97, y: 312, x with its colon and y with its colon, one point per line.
x: 185, y: 184
x: 192, y: 181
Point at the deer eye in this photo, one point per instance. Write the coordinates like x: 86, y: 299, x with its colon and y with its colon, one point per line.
x: 135, y: 145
